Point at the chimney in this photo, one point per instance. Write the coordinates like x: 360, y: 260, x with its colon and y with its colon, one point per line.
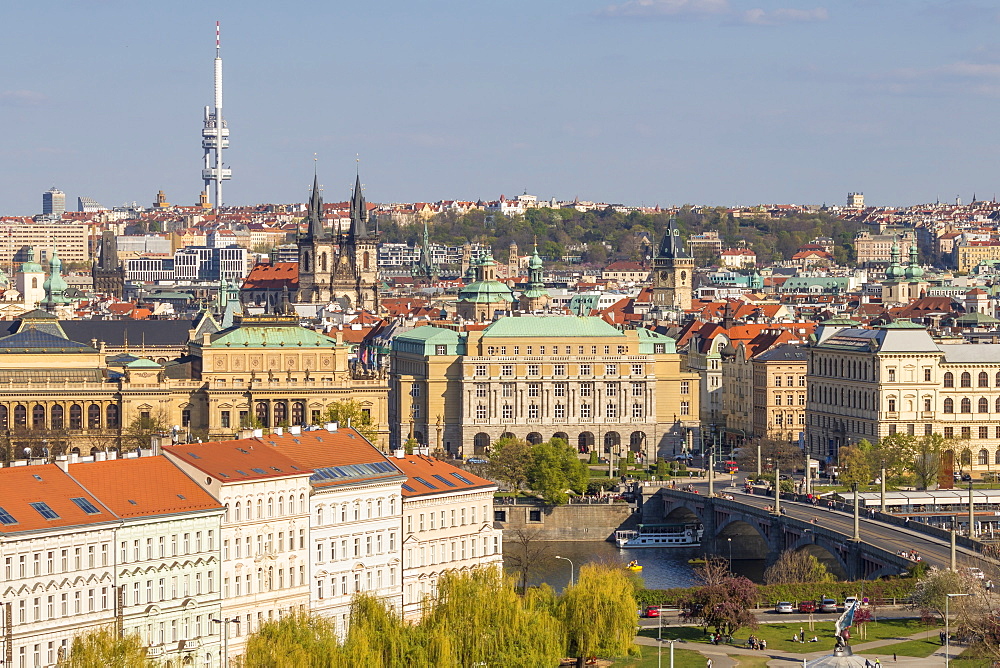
x: 244, y: 433
x: 100, y: 456
x: 278, y: 431
x: 399, y: 453
x: 112, y: 455
x: 62, y: 461
x: 424, y: 450
x: 258, y: 433
x: 74, y: 458
x: 331, y: 426
x: 295, y: 431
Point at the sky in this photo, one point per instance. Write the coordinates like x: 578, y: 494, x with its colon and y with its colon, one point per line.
x: 643, y: 102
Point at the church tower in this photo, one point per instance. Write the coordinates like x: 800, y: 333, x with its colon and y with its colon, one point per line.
x: 107, y: 272
x: 317, y: 253
x: 536, y: 297
x: 673, y: 272
x: 355, y: 280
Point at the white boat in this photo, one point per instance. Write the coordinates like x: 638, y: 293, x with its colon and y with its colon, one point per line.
x: 660, y: 535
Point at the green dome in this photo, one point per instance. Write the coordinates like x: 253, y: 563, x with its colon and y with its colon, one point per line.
x: 31, y: 267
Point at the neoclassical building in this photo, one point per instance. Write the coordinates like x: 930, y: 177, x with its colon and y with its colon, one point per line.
x: 56, y: 393
x: 869, y: 383
x: 538, y: 377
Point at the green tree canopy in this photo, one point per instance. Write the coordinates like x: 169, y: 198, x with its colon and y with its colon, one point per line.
x: 510, y: 459
x: 102, y: 648
x: 555, y: 470
x: 794, y: 567
x: 724, y: 601
x: 350, y: 413
x: 598, y: 613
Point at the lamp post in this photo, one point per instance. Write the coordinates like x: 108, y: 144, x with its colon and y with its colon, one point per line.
x: 947, y: 630
x: 570, y: 569
x: 857, y: 528
x: 225, y: 637
x: 659, y: 648
x: 972, y: 513
x: 730, y: 541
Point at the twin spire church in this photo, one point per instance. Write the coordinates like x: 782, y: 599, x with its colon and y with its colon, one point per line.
x: 339, y: 267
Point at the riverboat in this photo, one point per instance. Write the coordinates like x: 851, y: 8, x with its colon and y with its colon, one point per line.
x: 660, y: 535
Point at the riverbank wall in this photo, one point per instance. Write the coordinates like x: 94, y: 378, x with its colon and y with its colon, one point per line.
x: 575, y: 521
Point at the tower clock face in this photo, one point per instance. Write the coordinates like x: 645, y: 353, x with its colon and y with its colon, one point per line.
x: 663, y: 275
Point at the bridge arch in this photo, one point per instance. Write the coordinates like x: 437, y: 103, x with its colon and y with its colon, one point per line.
x: 833, y: 561
x: 747, y: 540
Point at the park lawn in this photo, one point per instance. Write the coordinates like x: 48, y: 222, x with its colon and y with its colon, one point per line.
x: 683, y: 658
x: 921, y: 648
x: 971, y: 658
x: 779, y: 636
x: 751, y: 661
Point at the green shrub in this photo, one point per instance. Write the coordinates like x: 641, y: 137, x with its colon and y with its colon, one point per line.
x: 593, y: 457
x: 898, y: 588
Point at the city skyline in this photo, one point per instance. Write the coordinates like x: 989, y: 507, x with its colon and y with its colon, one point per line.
x: 644, y: 102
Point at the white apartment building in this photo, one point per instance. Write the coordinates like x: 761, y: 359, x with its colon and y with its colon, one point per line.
x: 68, y: 240
x: 356, y: 517
x: 448, y: 526
x: 264, y: 529
x: 57, y: 546
x: 167, y: 566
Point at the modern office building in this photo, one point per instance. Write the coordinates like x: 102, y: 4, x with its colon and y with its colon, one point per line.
x: 53, y: 202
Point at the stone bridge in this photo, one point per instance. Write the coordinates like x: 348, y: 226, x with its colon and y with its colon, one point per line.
x: 752, y: 532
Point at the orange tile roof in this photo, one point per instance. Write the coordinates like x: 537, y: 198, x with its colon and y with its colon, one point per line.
x: 142, y: 487
x: 48, y: 484
x: 321, y: 449
x: 273, y: 276
x: 427, y: 475
x: 236, y: 460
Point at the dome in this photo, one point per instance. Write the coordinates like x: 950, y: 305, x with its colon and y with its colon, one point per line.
x: 31, y: 267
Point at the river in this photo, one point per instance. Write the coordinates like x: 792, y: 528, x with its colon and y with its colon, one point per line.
x: 662, y: 568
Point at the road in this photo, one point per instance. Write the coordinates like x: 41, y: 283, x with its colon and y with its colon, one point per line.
x: 770, y: 617
x: 886, y: 536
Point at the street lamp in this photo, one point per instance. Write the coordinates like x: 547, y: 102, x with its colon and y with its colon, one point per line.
x: 730, y: 541
x: 225, y: 637
x: 659, y: 648
x: 947, y: 631
x: 570, y: 569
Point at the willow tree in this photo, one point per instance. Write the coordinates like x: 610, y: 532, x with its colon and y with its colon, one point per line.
x: 294, y: 640
x: 598, y: 613
x: 795, y: 567
x: 480, y: 619
x: 103, y: 647
x: 378, y: 637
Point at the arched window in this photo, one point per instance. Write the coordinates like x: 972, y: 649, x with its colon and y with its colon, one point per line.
x: 949, y: 405
x: 997, y: 381
x: 238, y: 512
x: 3, y: 417
x: 302, y: 503
x: 966, y: 379
x: 38, y: 417
x: 270, y: 507
x: 984, y: 405
x: 949, y: 380
x: 322, y: 261
x: 34, y: 281
x: 93, y: 416
x: 966, y: 405
x: 984, y: 457
x: 260, y: 508
x: 280, y: 413
x: 57, y: 413
x: 113, y: 419
x: 298, y: 412
x: 365, y: 260
x: 996, y: 458
x: 20, y: 416
x: 984, y: 379
x: 249, y: 509
x: 75, y: 417
x: 305, y: 262
x: 281, y: 506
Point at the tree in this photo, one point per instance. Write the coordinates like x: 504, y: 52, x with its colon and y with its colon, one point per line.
x: 855, y: 464
x: 555, y: 469
x: 930, y: 593
x: 524, y: 550
x: 293, y: 640
x: 926, y: 464
x: 598, y: 613
x: 510, y: 459
x: 349, y: 413
x: 773, y: 452
x: 102, y: 647
x: 794, y: 567
x: 895, y: 453
x: 140, y: 431
x: 724, y: 602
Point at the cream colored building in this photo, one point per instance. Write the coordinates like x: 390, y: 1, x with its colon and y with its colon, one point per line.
x: 68, y: 240
x: 869, y: 383
x: 779, y: 392
x: 877, y: 248
x: 538, y: 377
x: 448, y: 526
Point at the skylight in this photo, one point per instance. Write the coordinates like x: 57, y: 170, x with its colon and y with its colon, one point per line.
x: 462, y: 478
x: 241, y: 471
x: 132, y: 501
x: 182, y: 497
x: 444, y: 480
x: 6, y: 518
x: 424, y: 482
x: 44, y: 510
x: 408, y: 488
x: 193, y: 456
x: 36, y: 477
x: 85, y: 505
x: 260, y: 471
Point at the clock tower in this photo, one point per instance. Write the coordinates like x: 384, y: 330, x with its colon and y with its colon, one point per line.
x: 673, y: 272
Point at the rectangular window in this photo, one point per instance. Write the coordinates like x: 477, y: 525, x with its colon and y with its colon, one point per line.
x: 638, y: 389
x: 559, y: 390
x: 534, y: 389
x: 611, y: 411
x: 685, y: 387
x: 637, y: 410
x: 927, y: 375
x: 966, y: 432
x: 533, y: 370
x: 585, y: 410
x: 414, y: 389
x: 482, y: 390
x: 533, y: 411
x: 611, y: 389
x: 984, y: 432
x: 507, y: 412
x: 506, y: 369
x: 480, y: 412
x: 685, y: 408
x: 481, y: 370
x: 440, y: 349
x: 611, y: 370
x: 637, y: 369
x: 507, y: 390
x: 586, y: 389
x: 558, y: 369
x: 559, y: 411
x: 585, y: 370
x: 224, y: 419
x: 949, y: 432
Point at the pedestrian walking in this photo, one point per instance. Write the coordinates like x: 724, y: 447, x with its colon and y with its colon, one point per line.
x: 878, y: 664
x: 708, y: 664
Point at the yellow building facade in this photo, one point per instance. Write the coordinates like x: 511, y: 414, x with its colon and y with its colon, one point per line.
x: 538, y: 377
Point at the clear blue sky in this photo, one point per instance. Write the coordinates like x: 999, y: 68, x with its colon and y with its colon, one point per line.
x: 635, y: 101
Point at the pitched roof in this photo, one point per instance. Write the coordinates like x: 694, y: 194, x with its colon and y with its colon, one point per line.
x: 49, y: 485
x: 427, y: 475
x: 238, y: 460
x: 135, y: 333
x: 273, y: 276
x: 336, y: 457
x: 142, y: 487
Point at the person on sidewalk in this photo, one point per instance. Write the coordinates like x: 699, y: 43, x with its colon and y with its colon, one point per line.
x: 708, y: 664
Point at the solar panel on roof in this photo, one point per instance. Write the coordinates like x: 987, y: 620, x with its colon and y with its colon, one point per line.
x: 444, y: 480
x: 6, y: 518
x: 44, y: 510
x: 86, y: 506
x: 424, y: 482
x: 408, y: 488
x: 462, y: 478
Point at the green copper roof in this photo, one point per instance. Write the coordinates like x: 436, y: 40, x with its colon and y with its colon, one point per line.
x: 485, y: 292
x: 31, y: 267
x: 563, y: 326
x: 143, y: 364
x: 273, y: 331
x: 901, y: 324
x: 648, y: 339
x: 424, y: 341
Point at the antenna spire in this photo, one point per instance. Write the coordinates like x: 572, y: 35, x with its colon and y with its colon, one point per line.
x: 218, y: 41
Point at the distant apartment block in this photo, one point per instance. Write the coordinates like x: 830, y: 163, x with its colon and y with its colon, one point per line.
x: 69, y: 240
x: 877, y: 248
x: 194, y: 263
x: 405, y: 255
x: 53, y: 202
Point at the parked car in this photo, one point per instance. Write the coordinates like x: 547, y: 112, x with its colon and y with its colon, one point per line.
x: 849, y: 601
x: 652, y: 611
x: 477, y: 460
x: 977, y: 573
x: 828, y: 605
x: 807, y: 606
x: 784, y: 608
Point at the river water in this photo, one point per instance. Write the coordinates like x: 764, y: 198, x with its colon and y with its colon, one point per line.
x: 662, y: 568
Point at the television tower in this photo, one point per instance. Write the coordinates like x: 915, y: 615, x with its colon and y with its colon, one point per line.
x: 215, y: 134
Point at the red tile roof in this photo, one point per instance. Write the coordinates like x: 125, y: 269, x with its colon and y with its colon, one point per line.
x: 427, y: 475
x: 236, y: 460
x: 321, y: 449
x: 273, y: 276
x: 48, y: 484
x: 142, y: 487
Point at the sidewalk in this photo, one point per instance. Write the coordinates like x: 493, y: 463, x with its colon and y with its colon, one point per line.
x: 725, y: 656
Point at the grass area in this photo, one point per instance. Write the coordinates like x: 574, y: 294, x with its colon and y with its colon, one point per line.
x: 751, y: 661
x: 971, y: 658
x: 921, y: 648
x: 683, y: 658
x: 779, y: 636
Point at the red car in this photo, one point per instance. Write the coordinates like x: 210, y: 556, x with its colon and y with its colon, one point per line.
x: 653, y: 611
x: 807, y: 606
